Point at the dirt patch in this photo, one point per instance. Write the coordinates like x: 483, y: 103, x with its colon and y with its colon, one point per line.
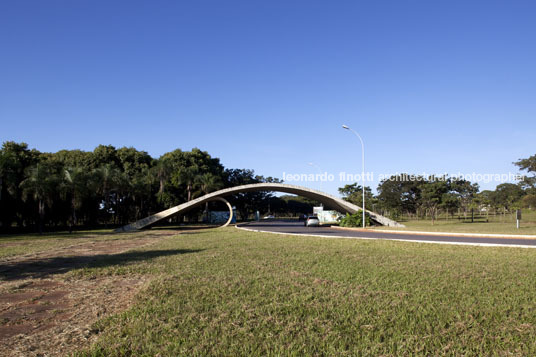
x: 44, y: 284
x: 84, y: 242
x: 61, y: 321
x: 8, y: 331
x: 13, y: 298
x: 61, y: 260
x: 42, y: 313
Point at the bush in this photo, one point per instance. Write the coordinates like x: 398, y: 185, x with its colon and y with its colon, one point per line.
x: 395, y: 215
x: 355, y: 220
x: 529, y: 201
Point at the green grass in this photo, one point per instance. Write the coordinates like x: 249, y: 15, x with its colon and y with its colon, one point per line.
x: 496, y: 225
x: 229, y: 292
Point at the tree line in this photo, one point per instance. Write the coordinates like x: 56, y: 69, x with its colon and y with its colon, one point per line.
x: 110, y: 186
x: 427, y: 197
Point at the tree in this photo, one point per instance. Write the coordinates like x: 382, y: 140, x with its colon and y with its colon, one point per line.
x: 74, y: 158
x: 354, y: 193
x: 529, y: 201
x: 91, y: 186
x: 15, y: 158
x: 207, y: 183
x: 7, y: 165
x: 507, y: 195
x: 75, y: 187
x: 132, y: 161
x: 142, y: 192
x: 529, y: 182
x: 248, y: 202
x: 296, y: 204
x: 185, y: 167
x: 104, y: 155
x: 465, y: 191
x: 187, y: 176
x: 163, y: 170
x: 485, y: 198
x: 122, y: 197
x: 432, y: 194
x: 528, y: 164
x: 400, y: 193
x: 449, y: 202
x: 8, y: 183
x: 106, y: 178
x: 40, y: 184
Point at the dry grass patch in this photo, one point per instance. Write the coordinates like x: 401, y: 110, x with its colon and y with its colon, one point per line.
x: 49, y: 309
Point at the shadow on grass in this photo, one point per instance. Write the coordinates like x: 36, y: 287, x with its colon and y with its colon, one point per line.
x: 42, y: 268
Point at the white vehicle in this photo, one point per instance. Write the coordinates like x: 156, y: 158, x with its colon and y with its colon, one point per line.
x: 312, y: 221
x: 270, y: 216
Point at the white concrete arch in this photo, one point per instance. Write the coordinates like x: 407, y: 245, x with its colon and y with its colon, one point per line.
x: 326, y: 199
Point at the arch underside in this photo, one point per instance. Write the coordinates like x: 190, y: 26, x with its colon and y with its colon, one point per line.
x: 327, y: 200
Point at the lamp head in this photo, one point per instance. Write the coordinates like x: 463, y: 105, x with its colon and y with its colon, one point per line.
x: 345, y: 126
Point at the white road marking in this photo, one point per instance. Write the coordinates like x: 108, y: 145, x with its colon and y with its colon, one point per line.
x: 393, y: 239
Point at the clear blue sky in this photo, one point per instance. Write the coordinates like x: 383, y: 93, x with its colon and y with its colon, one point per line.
x: 435, y: 86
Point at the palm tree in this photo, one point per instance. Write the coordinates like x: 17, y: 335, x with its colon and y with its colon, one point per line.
x: 142, y: 189
x: 39, y: 184
x: 207, y: 183
x: 188, y: 176
x: 123, y: 191
x: 75, y: 184
x: 162, y: 170
x: 8, y: 172
x: 107, y: 177
x: 5, y: 164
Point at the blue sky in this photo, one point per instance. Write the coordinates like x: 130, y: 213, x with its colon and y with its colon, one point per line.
x: 432, y: 86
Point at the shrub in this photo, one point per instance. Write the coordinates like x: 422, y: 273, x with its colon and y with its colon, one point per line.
x: 355, y: 220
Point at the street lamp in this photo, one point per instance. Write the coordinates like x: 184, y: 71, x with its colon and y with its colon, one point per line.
x: 363, y: 167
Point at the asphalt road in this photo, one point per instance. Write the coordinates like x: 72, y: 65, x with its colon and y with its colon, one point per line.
x: 293, y: 227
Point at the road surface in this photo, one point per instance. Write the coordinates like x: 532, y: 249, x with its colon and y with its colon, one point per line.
x: 297, y: 228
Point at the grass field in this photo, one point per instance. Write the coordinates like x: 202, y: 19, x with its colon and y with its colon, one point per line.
x: 496, y: 225
x: 231, y: 292
x: 240, y: 293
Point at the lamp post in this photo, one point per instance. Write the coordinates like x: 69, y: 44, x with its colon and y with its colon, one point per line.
x: 363, y: 167
x: 319, y: 170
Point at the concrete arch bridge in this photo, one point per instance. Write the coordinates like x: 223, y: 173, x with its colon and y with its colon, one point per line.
x: 327, y: 200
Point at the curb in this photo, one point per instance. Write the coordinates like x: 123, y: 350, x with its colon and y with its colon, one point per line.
x: 483, y: 235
